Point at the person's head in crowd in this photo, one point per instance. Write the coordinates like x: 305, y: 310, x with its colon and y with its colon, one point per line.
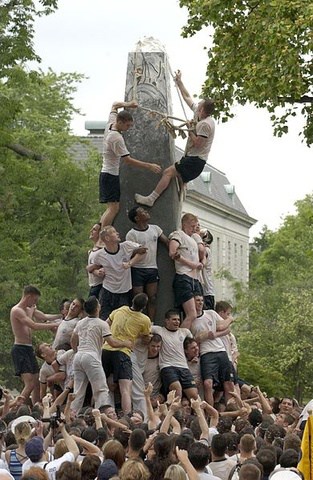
x: 206, y: 236
x: 163, y: 446
x: 289, y: 458
x: 139, y: 302
x: 115, y: 451
x: 273, y: 432
x: 249, y: 472
x: 46, y: 352
x: 224, y: 425
x: 267, y: 458
x: 218, y: 447
x: 284, y: 420
x: 199, y: 456
x: 223, y: 308
x: 240, y: 424
x: 172, y: 320
x: 34, y: 449
x: 120, y: 435
x: 60, y: 448
x: 107, y: 469
x: 175, y: 472
x: 35, y: 473
x: 103, y: 436
x: 137, y: 440
x: 79, y: 423
x: 255, y: 417
x: 134, y: 470
x: 263, y: 427
x: 232, y: 439
x: 9, y: 417
x: 154, y: 345
x: 278, y: 443
x: 286, y: 405
x: 137, y: 417
x: 92, y: 306
x: 23, y: 410
x: 37, y: 411
x: 184, y: 440
x: 109, y: 411
x: 186, y: 407
x: 76, y: 308
x: 195, y: 428
x: 10, y: 440
x: 22, y: 433
x: 89, y: 467
x: 191, y: 348
x: 69, y: 471
x: 274, y: 403
x: 64, y: 307
x: 90, y: 434
x: 247, y: 431
x: 247, y: 445
x: 292, y: 441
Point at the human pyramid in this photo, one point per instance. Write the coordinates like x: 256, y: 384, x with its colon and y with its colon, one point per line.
x: 107, y: 354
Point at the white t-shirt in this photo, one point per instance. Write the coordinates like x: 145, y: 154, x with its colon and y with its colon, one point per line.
x: 207, y: 274
x: 188, y: 248
x: 64, y: 332
x: 146, y: 238
x: 113, y: 148
x: 117, y: 279
x: 93, y: 280
x: 91, y: 332
x: 207, y: 322
x: 152, y: 374
x: 66, y: 359
x: 172, y: 349
x: 46, y: 369
x: 204, y: 128
x: 50, y: 467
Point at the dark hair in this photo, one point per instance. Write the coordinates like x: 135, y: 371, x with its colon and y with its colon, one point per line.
x: 68, y: 471
x: 137, y: 439
x: 89, y: 467
x: 124, y: 116
x: 206, y: 236
x: 199, y: 455
x: 222, y: 306
x: 156, y: 338
x: 292, y: 441
x: 249, y: 472
x: 208, y: 106
x: 31, y: 290
x: 188, y: 341
x: 219, y: 445
x: 255, y: 417
x: 132, y: 214
x: 289, y: 458
x: 91, y: 305
x: 140, y: 301
x: 170, y: 313
x: 267, y: 459
x: 184, y: 440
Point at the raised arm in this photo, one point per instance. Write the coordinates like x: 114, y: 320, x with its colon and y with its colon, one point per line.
x: 185, y: 94
x: 117, y: 105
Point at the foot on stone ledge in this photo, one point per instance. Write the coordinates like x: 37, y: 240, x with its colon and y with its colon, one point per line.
x: 144, y: 200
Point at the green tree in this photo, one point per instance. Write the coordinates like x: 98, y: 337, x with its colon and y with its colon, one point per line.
x: 261, y: 53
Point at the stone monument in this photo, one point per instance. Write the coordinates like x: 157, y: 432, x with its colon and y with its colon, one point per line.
x: 148, y: 82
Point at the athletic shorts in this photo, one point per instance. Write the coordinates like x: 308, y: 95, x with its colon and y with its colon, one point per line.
x: 189, y: 168
x: 24, y: 359
x: 117, y: 363
x: 215, y: 366
x: 144, y: 276
x: 208, y: 302
x: 170, y: 375
x: 185, y: 288
x: 110, y: 301
x: 109, y: 188
x: 95, y: 290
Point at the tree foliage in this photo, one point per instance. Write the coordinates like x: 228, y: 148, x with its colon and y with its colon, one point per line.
x: 261, y: 53
x: 274, y: 325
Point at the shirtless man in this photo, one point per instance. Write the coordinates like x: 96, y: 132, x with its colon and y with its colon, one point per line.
x: 23, y: 355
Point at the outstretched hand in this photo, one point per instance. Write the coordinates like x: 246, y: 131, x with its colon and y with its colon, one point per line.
x: 177, y: 77
x: 155, y: 168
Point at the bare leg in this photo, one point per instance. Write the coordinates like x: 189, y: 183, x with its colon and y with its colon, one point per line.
x: 31, y: 386
x: 177, y: 387
x: 208, y: 391
x: 167, y: 176
x: 126, y: 392
x: 228, y: 387
x: 110, y: 214
x: 152, y: 290
x: 190, y: 312
x: 191, y: 393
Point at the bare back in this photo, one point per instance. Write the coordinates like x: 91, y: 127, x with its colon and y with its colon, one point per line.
x: 19, y: 322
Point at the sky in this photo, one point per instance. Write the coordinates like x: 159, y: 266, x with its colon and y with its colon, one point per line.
x: 94, y: 37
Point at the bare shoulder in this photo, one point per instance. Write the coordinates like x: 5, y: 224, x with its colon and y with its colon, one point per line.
x: 17, y: 313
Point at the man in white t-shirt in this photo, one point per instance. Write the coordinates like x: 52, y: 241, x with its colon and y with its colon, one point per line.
x: 199, y: 144
x: 207, y: 328
x: 62, y: 340
x: 48, y: 376
x: 145, y: 275
x: 87, y: 340
x: 114, y: 149
x: 115, y: 261
x: 175, y: 374
x: 184, y: 250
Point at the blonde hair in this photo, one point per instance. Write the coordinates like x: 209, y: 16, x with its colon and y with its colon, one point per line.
x: 134, y: 470
x: 189, y: 217
x: 22, y: 432
x: 35, y: 473
x: 175, y: 472
x: 60, y: 448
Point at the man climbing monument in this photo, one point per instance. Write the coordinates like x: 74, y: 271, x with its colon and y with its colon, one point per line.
x: 114, y: 149
x: 197, y: 150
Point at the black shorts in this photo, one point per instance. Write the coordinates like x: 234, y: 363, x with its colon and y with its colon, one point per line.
x: 215, y: 366
x: 24, y: 359
x: 209, y: 302
x: 117, y: 363
x: 185, y: 288
x: 189, y: 168
x: 233, y: 374
x: 144, y: 276
x: 95, y: 290
x: 110, y: 301
x: 170, y: 375
x: 109, y: 188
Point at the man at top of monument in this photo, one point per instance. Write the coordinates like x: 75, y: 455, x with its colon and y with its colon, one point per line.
x: 198, y: 146
x: 114, y: 149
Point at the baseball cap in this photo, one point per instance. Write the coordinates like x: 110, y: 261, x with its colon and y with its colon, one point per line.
x: 34, y: 449
x: 107, y: 470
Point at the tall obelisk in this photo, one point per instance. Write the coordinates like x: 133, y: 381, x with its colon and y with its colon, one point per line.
x: 148, y: 82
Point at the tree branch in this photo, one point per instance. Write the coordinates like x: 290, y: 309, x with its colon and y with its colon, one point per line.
x: 303, y: 99
x: 65, y: 209
x: 25, y: 152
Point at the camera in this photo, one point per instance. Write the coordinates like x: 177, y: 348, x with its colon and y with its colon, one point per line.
x: 55, y: 419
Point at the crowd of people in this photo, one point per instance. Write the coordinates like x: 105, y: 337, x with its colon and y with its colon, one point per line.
x: 117, y: 396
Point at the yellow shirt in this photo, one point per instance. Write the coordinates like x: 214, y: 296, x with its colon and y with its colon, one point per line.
x: 128, y: 325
